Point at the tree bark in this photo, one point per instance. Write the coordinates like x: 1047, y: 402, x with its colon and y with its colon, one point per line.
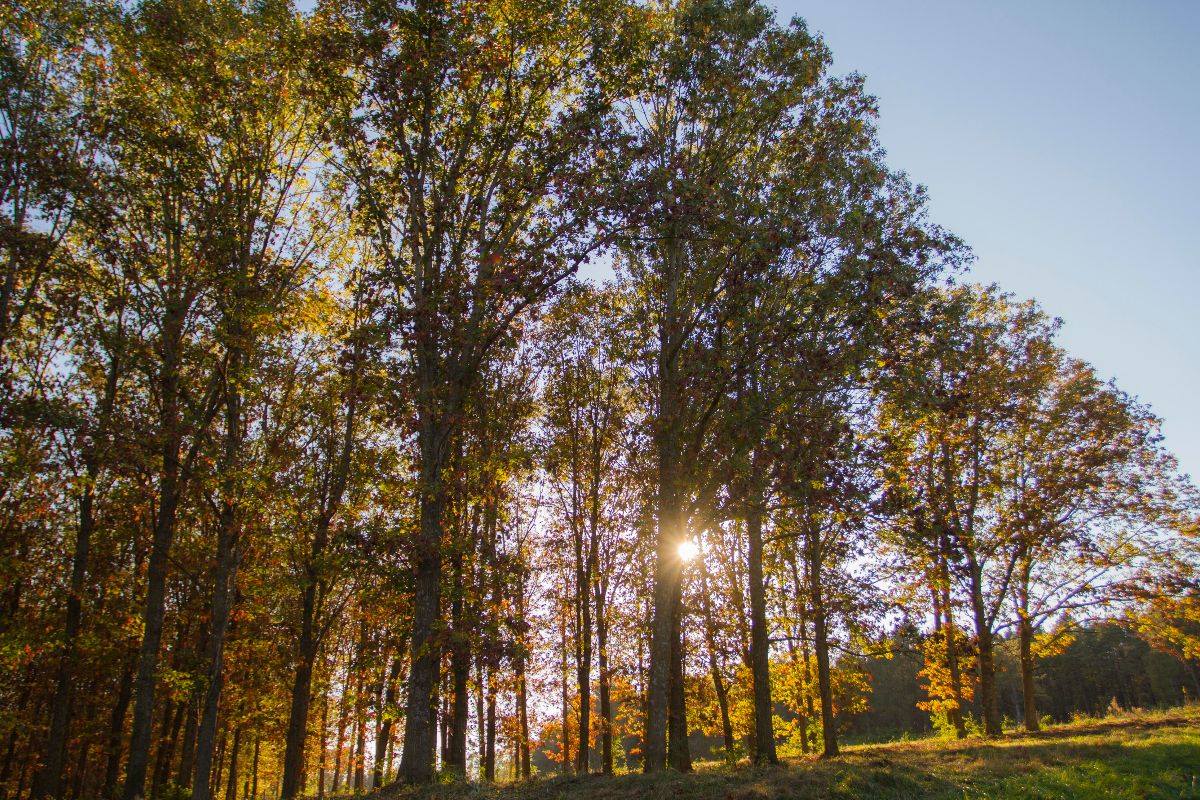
x: 231, y: 783
x: 224, y: 578
x: 116, y: 727
x: 169, y: 487
x: 604, y: 686
x: 385, y: 731
x: 988, y: 700
x: 416, y: 760
x: 679, y: 752
x: 460, y: 674
x: 760, y: 645
x: 47, y: 782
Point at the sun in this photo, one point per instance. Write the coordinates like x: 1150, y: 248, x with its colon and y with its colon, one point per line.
x: 688, y: 550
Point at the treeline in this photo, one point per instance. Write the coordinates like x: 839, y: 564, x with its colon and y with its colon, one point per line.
x: 322, y: 470
x: 1096, y: 670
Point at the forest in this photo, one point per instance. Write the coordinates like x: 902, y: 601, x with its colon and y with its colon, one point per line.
x: 398, y: 391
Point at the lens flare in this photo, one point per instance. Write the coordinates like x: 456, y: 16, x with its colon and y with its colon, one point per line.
x: 688, y: 550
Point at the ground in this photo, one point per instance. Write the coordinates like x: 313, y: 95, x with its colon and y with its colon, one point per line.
x: 1140, y: 755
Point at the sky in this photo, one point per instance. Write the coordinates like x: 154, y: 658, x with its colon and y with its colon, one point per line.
x: 1061, y: 140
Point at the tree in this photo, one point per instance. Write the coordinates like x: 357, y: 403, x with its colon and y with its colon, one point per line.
x: 471, y: 144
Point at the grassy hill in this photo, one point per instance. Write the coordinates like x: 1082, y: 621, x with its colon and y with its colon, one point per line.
x: 1144, y: 755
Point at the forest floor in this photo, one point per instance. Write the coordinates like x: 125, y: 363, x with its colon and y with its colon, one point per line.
x: 1148, y: 755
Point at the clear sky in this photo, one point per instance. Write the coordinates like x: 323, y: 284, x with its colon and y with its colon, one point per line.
x: 1061, y: 140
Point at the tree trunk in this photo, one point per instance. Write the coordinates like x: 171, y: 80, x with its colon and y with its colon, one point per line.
x: 47, y: 781
x: 604, y: 681
x: 231, y: 783
x: 583, y: 655
x: 460, y: 675
x: 343, y: 718
x: 297, y: 731
x: 679, y: 752
x: 951, y: 637
x: 416, y: 760
x: 489, y: 751
x: 224, y: 579
x: 566, y: 695
x: 116, y: 726
x: 360, y: 707
x: 385, y: 731
x: 169, y: 487
x: 760, y: 645
x: 322, y: 755
x: 986, y: 660
x: 821, y: 645
x: 522, y: 764
x: 1025, y: 634
x: 714, y: 665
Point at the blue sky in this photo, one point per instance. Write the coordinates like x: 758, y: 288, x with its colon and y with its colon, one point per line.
x: 1061, y: 140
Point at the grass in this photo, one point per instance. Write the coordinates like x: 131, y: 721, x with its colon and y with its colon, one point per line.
x: 1147, y: 756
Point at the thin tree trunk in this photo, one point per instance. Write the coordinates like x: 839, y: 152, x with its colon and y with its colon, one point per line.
x: 460, y: 675
x: 343, y: 718
x: 714, y: 666
x: 566, y: 696
x: 116, y: 726
x: 604, y: 680
x: 231, y: 785
x: 360, y: 707
x: 1025, y: 634
x: 322, y: 755
x: 385, y: 730
x: 821, y: 645
x: 679, y: 752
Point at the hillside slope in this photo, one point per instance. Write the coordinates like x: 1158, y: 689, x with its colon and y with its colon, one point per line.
x: 1139, y: 756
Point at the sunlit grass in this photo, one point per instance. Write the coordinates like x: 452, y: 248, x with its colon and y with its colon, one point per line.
x: 1148, y: 756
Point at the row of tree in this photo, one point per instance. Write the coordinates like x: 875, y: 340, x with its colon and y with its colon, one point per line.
x: 320, y: 467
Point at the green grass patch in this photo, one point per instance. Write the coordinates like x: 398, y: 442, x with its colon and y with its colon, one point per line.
x: 1145, y: 756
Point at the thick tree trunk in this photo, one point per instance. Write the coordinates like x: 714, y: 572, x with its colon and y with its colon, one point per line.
x: 824, y: 684
x: 169, y: 480
x: 679, y: 751
x: 666, y: 578
x: 416, y: 760
x: 297, y: 730
x: 985, y: 658
x: 224, y: 579
x: 760, y: 645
